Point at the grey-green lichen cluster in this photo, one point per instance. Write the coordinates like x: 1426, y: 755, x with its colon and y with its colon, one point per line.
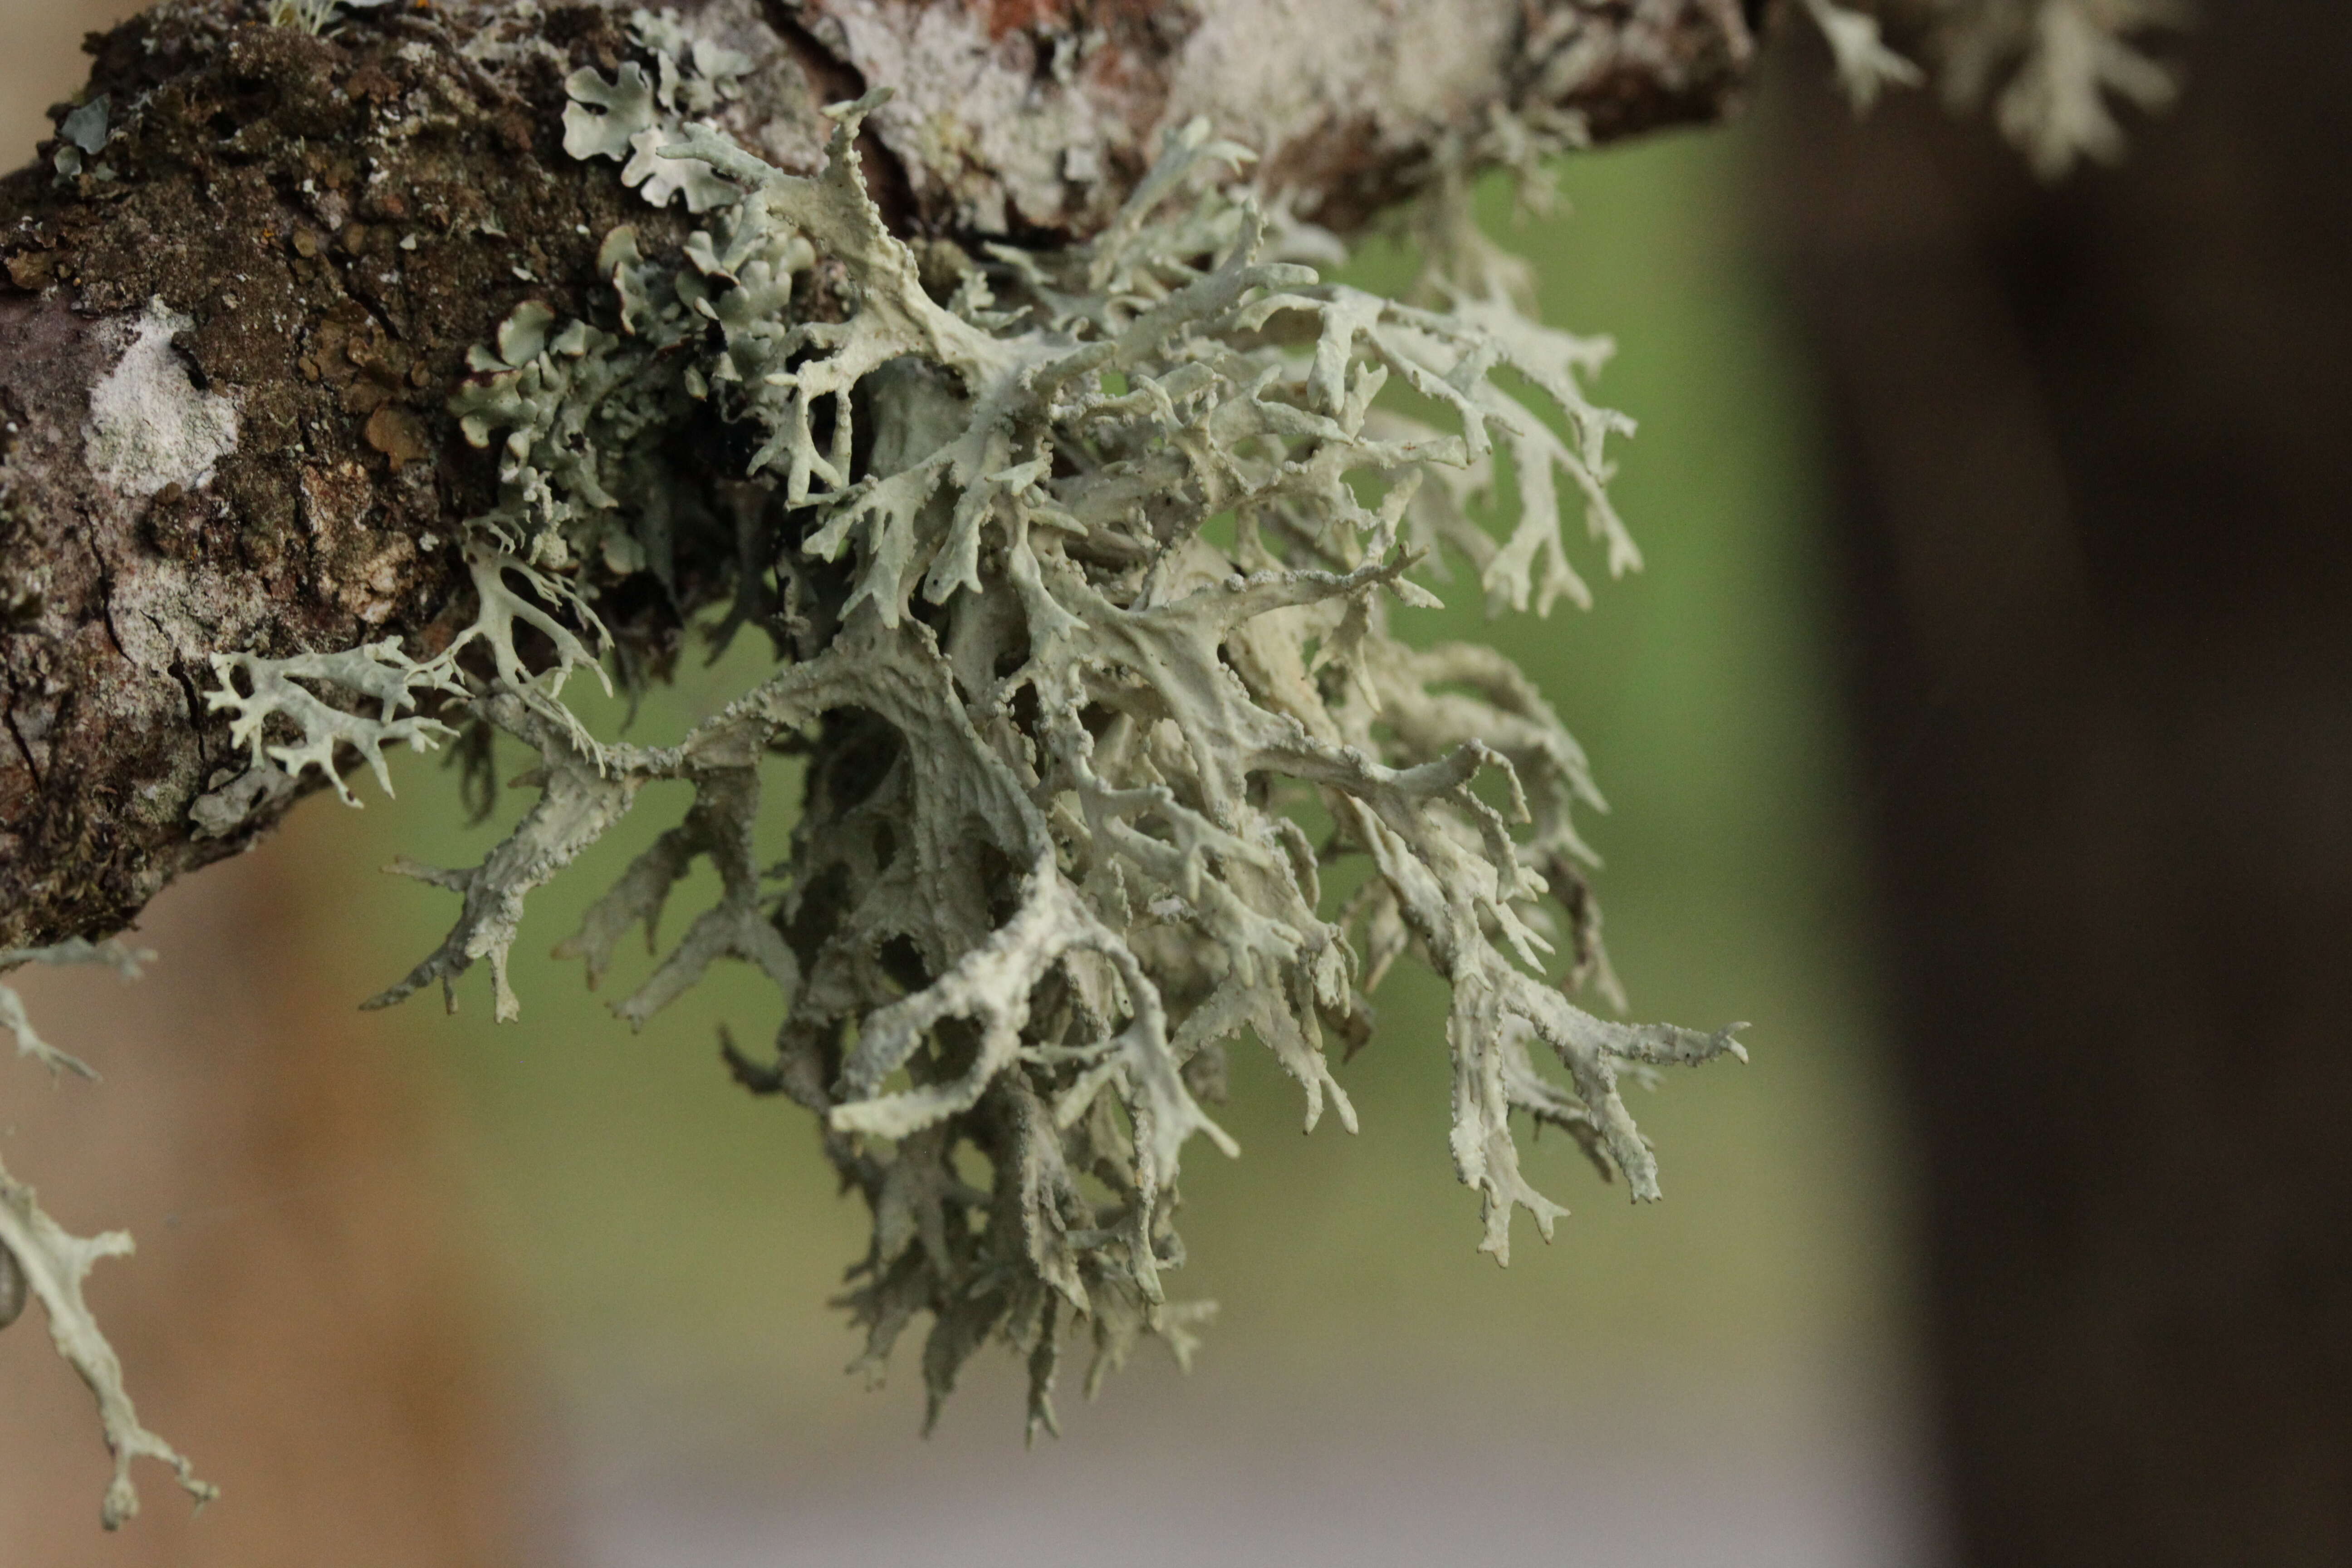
x: 1078, y: 565
x: 1077, y: 774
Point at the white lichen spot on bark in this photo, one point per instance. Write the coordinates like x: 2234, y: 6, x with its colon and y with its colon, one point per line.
x: 148, y: 424
x: 986, y: 113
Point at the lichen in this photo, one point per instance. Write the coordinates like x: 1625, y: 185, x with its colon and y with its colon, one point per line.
x: 1078, y: 565
x: 1075, y: 773
x: 81, y: 133
x: 2050, y: 67
x: 116, y: 954
x: 149, y: 425
x: 380, y: 672
x: 376, y: 670
x: 39, y: 1259
x: 636, y: 118
x: 1865, y: 66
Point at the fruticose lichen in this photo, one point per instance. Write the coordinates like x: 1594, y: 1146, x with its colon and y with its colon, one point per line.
x: 1078, y: 565
x: 1076, y: 770
x: 2048, y: 66
x: 1865, y: 66
x: 40, y: 1259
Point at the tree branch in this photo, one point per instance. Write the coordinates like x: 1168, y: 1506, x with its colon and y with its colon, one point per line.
x: 229, y: 329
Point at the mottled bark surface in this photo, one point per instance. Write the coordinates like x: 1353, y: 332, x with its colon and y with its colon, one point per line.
x: 225, y: 344
x: 318, y: 221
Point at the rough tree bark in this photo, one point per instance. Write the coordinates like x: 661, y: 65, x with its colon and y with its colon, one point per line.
x: 226, y: 341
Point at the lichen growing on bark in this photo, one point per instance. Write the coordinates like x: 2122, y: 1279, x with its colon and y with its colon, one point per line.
x: 1077, y: 564
x: 1076, y: 772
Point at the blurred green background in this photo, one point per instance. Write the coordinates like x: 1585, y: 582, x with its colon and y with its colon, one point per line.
x: 665, y: 1230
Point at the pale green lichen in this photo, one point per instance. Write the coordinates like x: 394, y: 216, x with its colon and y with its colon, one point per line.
x: 317, y: 735
x: 1865, y: 66
x: 2050, y: 67
x: 80, y: 135
x: 113, y: 952
x: 40, y: 1260
x: 1076, y: 774
x: 636, y: 118
x: 376, y: 670
x: 1063, y: 750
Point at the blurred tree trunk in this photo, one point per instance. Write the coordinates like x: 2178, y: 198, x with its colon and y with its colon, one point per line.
x: 2093, y: 453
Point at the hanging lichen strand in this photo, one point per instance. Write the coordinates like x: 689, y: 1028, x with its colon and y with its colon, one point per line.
x: 1061, y: 748
x: 40, y: 1260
